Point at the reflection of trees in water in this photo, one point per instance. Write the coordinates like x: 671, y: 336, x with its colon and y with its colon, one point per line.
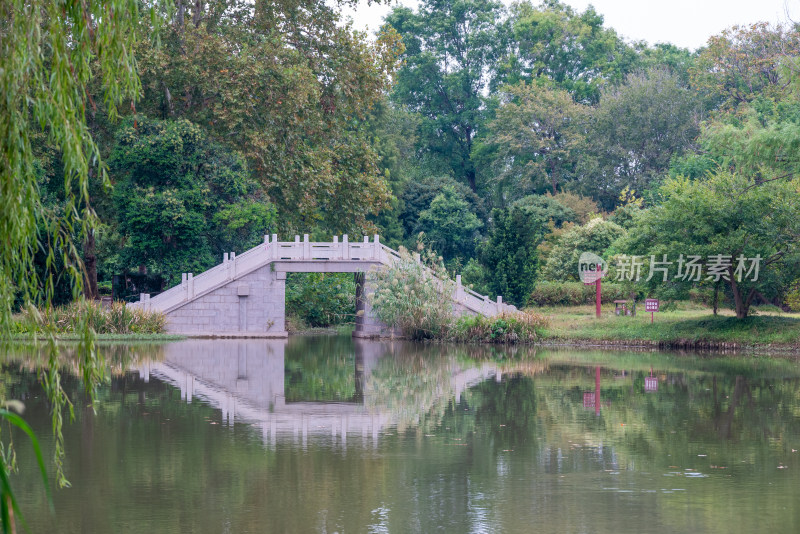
x: 117, y: 357
x: 321, y: 369
x: 417, y: 384
x: 704, y: 405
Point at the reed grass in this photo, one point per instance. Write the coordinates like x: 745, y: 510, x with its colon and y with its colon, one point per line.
x: 507, y: 328
x: 68, y: 319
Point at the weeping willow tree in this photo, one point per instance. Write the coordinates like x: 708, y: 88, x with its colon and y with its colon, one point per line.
x: 49, y: 51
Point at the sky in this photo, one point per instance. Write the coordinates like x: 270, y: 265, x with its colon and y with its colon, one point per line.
x: 686, y: 23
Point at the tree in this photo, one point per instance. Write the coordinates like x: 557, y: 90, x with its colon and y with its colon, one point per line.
x: 573, y: 50
x: 393, y: 134
x: 730, y: 215
x: 510, y: 253
x: 677, y: 61
x: 536, y: 141
x: 450, y: 52
x: 546, y: 209
x: 449, y: 226
x: 182, y: 200
x: 418, y: 195
x: 637, y: 129
x: 744, y: 62
x: 50, y: 51
x: 596, y: 237
x: 289, y: 87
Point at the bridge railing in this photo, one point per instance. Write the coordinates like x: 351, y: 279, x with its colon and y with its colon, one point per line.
x: 271, y: 249
x: 461, y: 294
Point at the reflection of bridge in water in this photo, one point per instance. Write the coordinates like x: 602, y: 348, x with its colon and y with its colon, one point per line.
x: 245, y: 379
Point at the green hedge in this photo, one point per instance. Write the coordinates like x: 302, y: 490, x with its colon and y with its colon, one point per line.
x: 574, y: 294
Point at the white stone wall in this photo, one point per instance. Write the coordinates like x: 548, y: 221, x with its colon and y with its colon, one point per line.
x: 254, y: 304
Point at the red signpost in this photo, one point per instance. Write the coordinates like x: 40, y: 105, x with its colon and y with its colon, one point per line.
x: 590, y: 269
x: 594, y: 278
x: 597, y: 296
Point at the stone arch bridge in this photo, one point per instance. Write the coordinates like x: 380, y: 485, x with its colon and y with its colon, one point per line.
x: 245, y: 295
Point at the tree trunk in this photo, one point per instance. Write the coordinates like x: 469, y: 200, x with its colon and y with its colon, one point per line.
x: 180, y: 15
x: 90, y: 263
x: 197, y: 14
x: 553, y: 180
x: 716, y: 298
x: 471, y: 180
x: 742, y: 303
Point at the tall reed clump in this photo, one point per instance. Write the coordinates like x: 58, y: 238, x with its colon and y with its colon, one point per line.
x: 518, y: 327
x: 119, y: 319
x: 412, y: 295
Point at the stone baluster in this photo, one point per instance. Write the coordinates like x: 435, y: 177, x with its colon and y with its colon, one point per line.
x: 337, y: 252
x: 345, y: 248
x: 275, y: 246
x: 233, y: 266
x: 298, y: 249
x: 185, y: 286
x: 376, y: 247
x: 190, y: 285
x: 306, y: 248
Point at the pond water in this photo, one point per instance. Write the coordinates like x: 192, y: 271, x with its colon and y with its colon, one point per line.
x: 336, y: 435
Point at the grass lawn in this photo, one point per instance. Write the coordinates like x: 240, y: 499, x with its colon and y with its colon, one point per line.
x: 689, y: 323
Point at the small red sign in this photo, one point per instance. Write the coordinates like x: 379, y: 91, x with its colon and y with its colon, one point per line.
x: 651, y: 305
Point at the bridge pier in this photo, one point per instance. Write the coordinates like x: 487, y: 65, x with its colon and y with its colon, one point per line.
x: 367, y: 324
x: 254, y: 305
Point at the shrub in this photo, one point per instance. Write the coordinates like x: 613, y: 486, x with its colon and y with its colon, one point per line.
x: 573, y: 294
x: 792, y: 300
x: 409, y: 296
x: 520, y: 327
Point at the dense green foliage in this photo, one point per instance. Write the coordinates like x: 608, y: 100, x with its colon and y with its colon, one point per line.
x: 510, y: 254
x: 451, y: 47
x: 321, y: 299
x: 450, y: 227
x: 181, y: 199
x: 596, y: 237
